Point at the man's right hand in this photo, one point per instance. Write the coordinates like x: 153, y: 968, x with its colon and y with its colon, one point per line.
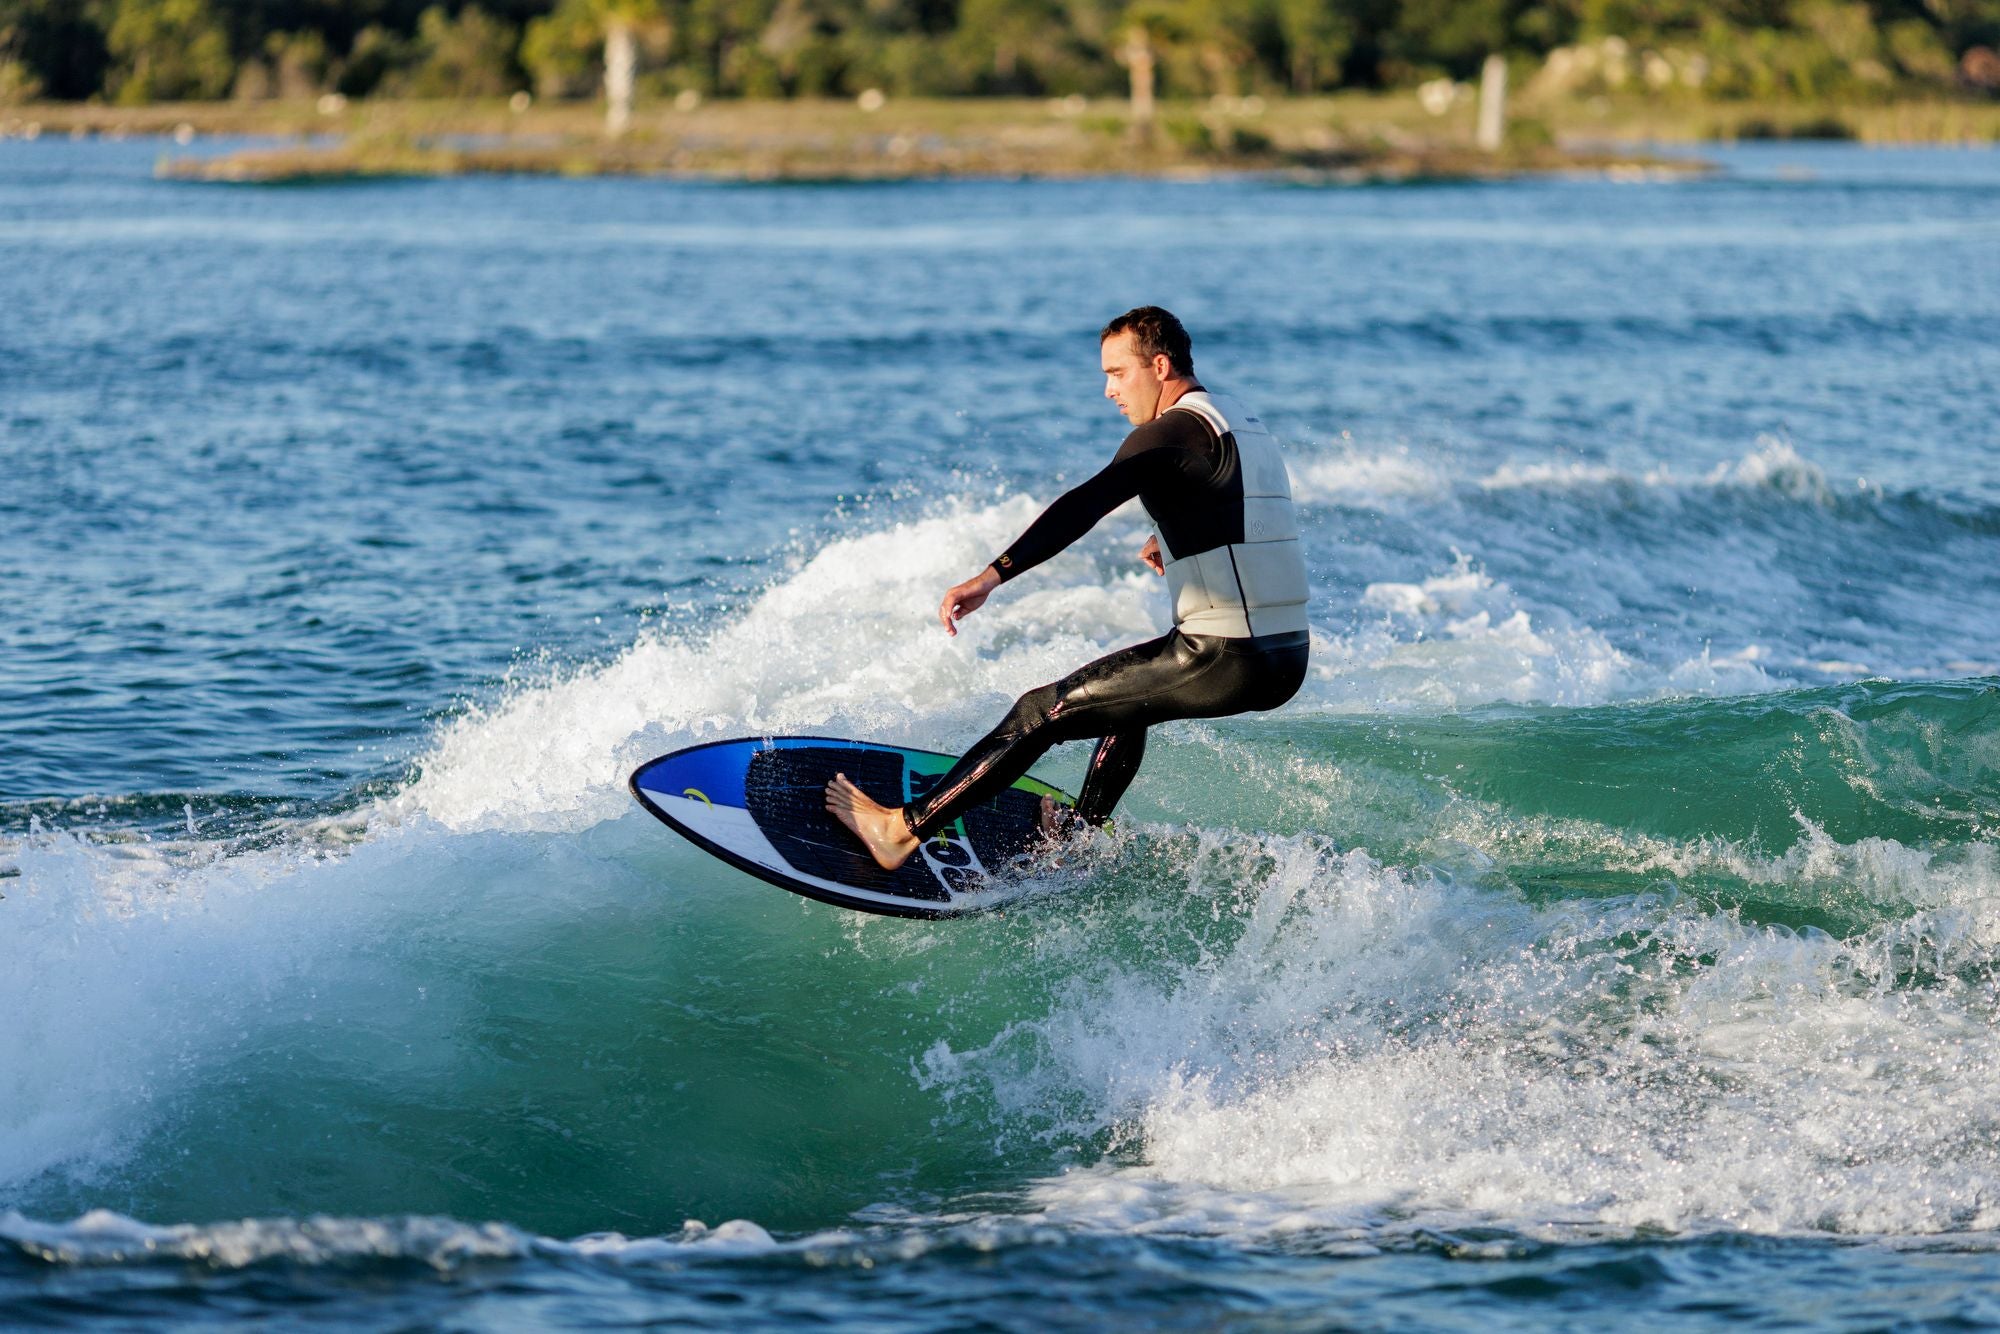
x: 1150, y: 553
x: 966, y: 598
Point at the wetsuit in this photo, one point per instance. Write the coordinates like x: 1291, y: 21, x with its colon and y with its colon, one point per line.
x: 1212, y: 479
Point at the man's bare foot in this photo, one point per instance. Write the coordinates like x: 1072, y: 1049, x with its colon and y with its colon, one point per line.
x: 1058, y: 821
x: 880, y: 828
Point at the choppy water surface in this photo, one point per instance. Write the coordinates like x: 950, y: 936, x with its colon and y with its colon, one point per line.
x: 1610, y: 927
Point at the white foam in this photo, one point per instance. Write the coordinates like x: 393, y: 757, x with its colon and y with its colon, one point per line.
x: 1354, y: 475
x: 1565, y: 477
x: 1461, y: 638
x: 138, y: 966
x: 1358, y: 477
x: 1590, y: 624
x: 737, y: 1237
x: 848, y: 644
x: 1379, y: 1047
x: 143, y: 972
x: 102, y: 1237
x: 1775, y: 466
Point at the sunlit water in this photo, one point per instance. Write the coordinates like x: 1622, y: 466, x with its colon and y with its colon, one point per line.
x: 1609, y: 930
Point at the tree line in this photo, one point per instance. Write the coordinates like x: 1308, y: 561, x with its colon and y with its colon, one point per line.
x: 137, y: 51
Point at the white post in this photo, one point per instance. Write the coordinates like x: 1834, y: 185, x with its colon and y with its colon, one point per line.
x: 1492, y: 103
x: 621, y: 58
x: 1139, y: 62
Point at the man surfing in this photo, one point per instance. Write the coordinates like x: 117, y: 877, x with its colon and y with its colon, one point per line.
x: 1210, y: 476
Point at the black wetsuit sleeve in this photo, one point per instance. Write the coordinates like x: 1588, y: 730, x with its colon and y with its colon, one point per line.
x: 1075, y: 513
x: 1152, y: 455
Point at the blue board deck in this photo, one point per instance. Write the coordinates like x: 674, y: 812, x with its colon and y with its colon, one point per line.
x: 758, y: 803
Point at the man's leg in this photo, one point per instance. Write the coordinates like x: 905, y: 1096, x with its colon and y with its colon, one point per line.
x: 1110, y: 694
x: 1174, y: 676
x: 1113, y: 766
x: 1117, y: 693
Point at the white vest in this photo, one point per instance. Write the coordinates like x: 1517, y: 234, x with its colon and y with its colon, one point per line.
x: 1256, y: 586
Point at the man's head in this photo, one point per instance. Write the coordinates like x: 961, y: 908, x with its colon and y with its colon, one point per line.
x: 1146, y: 354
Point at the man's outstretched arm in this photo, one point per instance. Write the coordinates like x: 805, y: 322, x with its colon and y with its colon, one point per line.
x: 1146, y: 453
x: 1075, y: 512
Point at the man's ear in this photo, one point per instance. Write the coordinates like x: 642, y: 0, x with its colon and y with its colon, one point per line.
x: 1163, y: 367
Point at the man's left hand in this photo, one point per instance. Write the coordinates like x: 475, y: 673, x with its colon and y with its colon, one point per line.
x: 1150, y: 553
x: 966, y: 598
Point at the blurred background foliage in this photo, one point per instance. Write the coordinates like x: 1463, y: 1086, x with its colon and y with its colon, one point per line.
x: 140, y: 51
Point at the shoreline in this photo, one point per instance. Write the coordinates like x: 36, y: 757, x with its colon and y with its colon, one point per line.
x: 891, y: 164
x: 1353, y: 137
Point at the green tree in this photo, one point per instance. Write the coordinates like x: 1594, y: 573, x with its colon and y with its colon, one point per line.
x: 1317, y: 35
x: 291, y: 65
x: 51, y: 48
x: 790, y: 38
x: 1003, y: 46
x: 1965, y: 24
x: 580, y: 33
x: 1205, y: 46
x: 375, y: 58
x: 167, y: 50
x: 140, y: 50
x: 18, y: 80
x: 1919, y: 52
x: 563, y: 52
x: 468, y: 56
x: 1454, y: 36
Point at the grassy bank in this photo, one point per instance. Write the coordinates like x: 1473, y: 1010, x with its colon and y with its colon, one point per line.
x: 1355, y: 136
x: 1889, y: 123
x: 906, y: 139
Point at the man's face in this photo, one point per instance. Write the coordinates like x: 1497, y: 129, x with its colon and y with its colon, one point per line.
x: 1130, y: 380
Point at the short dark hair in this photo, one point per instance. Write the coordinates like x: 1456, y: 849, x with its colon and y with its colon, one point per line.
x: 1155, y: 331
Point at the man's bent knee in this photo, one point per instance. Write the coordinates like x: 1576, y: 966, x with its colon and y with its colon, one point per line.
x: 1036, y: 709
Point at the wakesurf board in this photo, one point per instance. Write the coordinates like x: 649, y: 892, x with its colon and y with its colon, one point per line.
x: 759, y: 803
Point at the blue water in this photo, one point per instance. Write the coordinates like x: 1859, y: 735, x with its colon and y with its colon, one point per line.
x: 1609, y: 931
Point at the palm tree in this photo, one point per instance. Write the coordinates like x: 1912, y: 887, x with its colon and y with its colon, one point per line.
x: 559, y: 44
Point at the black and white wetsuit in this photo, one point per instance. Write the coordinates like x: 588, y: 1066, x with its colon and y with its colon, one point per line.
x: 1212, y: 479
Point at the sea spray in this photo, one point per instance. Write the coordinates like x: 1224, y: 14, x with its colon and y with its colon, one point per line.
x: 1391, y: 1050
x: 413, y: 982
